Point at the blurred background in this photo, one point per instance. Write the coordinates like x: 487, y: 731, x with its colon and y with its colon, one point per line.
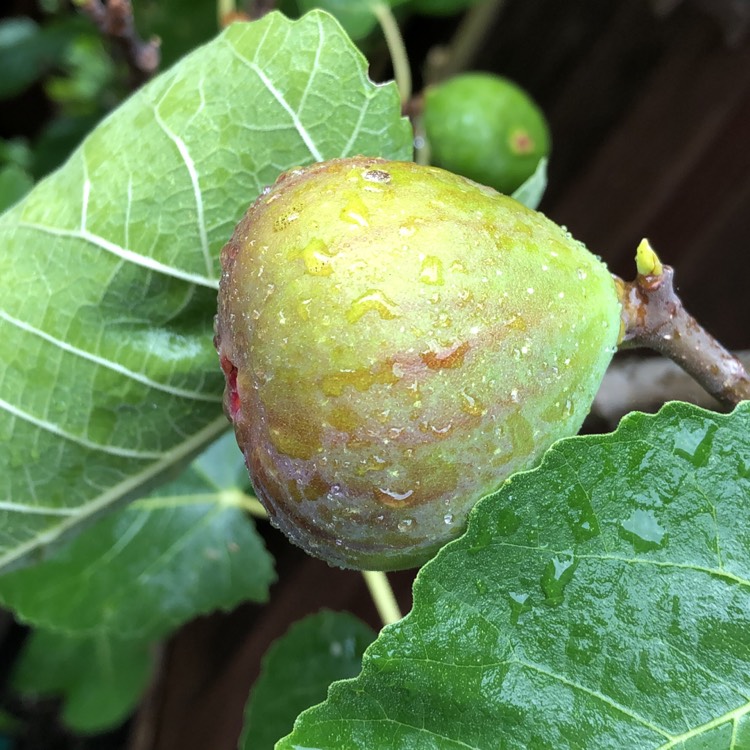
x: 649, y: 107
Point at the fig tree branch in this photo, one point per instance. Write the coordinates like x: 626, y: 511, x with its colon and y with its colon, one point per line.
x: 655, y: 317
x: 114, y: 19
x: 646, y: 385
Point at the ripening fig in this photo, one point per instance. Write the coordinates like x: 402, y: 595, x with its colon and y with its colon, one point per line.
x: 486, y: 128
x: 397, y: 340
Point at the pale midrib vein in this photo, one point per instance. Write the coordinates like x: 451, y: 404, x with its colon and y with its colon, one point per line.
x: 594, y: 694
x: 298, y: 126
x: 733, y: 715
x: 168, y: 459
x: 195, y: 182
x: 121, y: 252
x: 56, y: 430
x: 109, y: 364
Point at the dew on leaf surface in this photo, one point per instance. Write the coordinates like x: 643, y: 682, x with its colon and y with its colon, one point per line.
x: 557, y: 574
x: 643, y: 530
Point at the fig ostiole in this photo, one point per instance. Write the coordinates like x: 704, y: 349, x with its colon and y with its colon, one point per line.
x: 398, y: 340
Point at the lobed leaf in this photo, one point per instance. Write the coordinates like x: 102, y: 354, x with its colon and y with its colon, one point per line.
x: 100, y: 678
x: 108, y: 377
x: 599, y: 601
x: 142, y: 571
x: 298, y: 669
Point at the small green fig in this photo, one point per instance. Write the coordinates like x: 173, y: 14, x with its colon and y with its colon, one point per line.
x: 486, y: 128
x: 397, y: 340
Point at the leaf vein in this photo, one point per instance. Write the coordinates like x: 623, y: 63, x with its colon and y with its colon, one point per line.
x: 55, y: 429
x: 594, y: 694
x: 121, y: 252
x: 109, y: 364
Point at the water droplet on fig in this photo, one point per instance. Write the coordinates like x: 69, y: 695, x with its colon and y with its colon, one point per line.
x: 372, y: 300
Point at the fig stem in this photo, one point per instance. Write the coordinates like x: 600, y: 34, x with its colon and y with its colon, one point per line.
x: 114, y: 20
x: 382, y: 595
x: 646, y: 385
x: 254, y: 507
x: 654, y: 317
x: 396, y: 48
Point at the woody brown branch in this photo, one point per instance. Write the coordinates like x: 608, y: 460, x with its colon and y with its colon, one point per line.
x: 654, y: 317
x: 114, y: 19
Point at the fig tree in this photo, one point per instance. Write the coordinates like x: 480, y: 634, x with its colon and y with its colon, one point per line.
x: 397, y: 340
x: 486, y: 128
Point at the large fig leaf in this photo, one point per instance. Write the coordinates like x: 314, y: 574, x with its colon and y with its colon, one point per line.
x: 100, y: 678
x: 109, y: 267
x: 599, y: 601
x: 297, y: 671
x: 143, y: 570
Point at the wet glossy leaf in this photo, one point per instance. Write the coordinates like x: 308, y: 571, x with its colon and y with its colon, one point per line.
x: 100, y: 678
x: 140, y: 572
x: 108, y: 376
x: 297, y: 671
x: 600, y: 601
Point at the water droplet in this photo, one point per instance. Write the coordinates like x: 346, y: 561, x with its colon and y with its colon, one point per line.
x: 470, y: 405
x: 406, y: 230
x: 448, y: 358
x: 372, y: 300
x: 507, y: 522
x: 448, y: 518
x: 431, y: 271
x: 334, y: 383
x: 514, y: 397
x: 557, y: 574
x: 392, y: 498
x: 405, y: 524
x: 339, y: 542
x: 643, y: 531
x: 480, y: 586
x: 317, y: 258
x: 695, y: 447
x: 581, y: 274
x: 518, y: 605
x: 355, y: 212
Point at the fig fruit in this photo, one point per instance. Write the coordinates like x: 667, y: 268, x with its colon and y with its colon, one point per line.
x: 486, y: 128
x: 397, y: 340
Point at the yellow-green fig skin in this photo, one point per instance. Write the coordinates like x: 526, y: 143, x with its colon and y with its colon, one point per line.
x: 397, y: 341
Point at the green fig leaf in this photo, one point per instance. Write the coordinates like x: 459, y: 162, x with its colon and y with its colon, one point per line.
x: 140, y: 572
x: 100, y: 678
x: 108, y: 376
x: 532, y: 191
x: 297, y: 671
x: 14, y: 184
x: 599, y: 601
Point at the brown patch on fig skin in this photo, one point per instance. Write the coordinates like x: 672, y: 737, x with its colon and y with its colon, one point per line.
x: 446, y: 359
